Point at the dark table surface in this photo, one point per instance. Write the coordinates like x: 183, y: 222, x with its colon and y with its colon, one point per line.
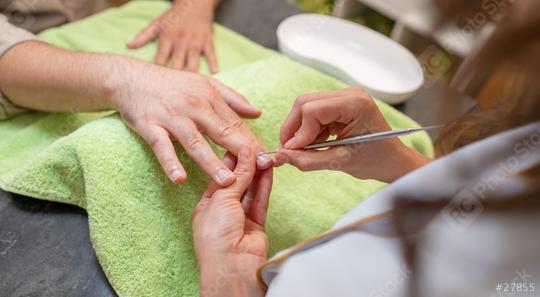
x: 45, y: 248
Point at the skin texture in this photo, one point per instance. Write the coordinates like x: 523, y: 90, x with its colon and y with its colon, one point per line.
x: 344, y: 113
x: 184, y: 34
x: 160, y: 104
x: 228, y: 227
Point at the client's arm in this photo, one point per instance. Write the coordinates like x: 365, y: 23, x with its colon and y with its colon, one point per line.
x: 345, y: 113
x: 157, y: 102
x: 184, y: 33
x: 228, y: 230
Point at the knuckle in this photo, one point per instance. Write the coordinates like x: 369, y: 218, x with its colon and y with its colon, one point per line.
x: 156, y: 141
x: 182, y: 34
x: 360, y: 95
x: 358, y: 90
x: 230, y: 128
x: 301, y: 100
x: 192, y: 101
x: 242, y: 171
x: 194, y: 142
x: 308, y: 109
x: 195, y: 47
x: 172, y: 110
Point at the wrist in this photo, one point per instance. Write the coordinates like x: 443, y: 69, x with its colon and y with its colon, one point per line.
x: 118, y: 77
x: 230, y: 277
x: 405, y: 160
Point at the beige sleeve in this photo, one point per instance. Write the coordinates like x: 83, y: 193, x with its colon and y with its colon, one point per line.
x: 10, y: 36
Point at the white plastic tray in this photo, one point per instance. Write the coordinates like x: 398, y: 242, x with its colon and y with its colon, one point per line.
x: 352, y: 53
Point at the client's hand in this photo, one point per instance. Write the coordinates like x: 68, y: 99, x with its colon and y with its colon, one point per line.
x: 184, y: 33
x: 345, y: 113
x: 161, y: 103
x: 228, y: 230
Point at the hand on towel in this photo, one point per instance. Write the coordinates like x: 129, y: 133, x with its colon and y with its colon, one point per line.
x: 160, y: 104
x: 184, y: 33
x: 345, y: 113
x: 157, y: 102
x: 228, y: 230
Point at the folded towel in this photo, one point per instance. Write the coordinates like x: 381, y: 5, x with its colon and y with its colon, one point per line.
x: 139, y: 221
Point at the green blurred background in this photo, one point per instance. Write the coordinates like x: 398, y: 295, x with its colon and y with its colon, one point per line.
x: 368, y: 17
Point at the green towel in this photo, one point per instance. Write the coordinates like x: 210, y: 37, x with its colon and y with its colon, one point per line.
x: 139, y: 221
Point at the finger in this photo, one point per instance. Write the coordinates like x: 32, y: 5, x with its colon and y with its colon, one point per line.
x: 193, y: 59
x: 210, y: 54
x: 331, y: 159
x: 323, y: 136
x: 244, y: 171
x: 258, y: 207
x: 230, y: 161
x: 186, y: 132
x: 236, y: 101
x: 249, y: 195
x: 163, y: 51
x: 179, y: 57
x: 319, y: 113
x: 294, y: 118
x: 143, y: 37
x: 230, y: 132
x: 309, y: 128
x: 161, y: 145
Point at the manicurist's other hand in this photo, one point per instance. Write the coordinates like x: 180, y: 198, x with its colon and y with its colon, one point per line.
x: 184, y: 34
x: 163, y: 104
x: 228, y: 229
x: 345, y: 113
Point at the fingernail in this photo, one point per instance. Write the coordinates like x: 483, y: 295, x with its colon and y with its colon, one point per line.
x: 263, y: 159
x: 176, y: 174
x: 223, y: 174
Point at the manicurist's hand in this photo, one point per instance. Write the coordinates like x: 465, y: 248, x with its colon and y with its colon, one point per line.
x: 345, y: 113
x: 228, y: 230
x: 184, y: 34
x: 163, y: 104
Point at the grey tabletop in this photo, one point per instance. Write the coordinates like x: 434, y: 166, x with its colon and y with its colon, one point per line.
x: 45, y: 248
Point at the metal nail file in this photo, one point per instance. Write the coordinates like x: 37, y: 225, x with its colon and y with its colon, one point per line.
x: 366, y: 138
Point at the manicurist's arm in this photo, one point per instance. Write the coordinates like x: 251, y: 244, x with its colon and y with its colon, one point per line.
x: 157, y: 102
x: 345, y: 113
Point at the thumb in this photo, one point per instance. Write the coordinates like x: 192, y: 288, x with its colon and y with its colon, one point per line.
x: 307, y: 133
x: 331, y: 159
x: 245, y: 171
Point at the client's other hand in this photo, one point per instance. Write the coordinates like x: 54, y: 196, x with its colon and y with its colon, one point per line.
x: 184, y: 33
x: 161, y: 103
x: 345, y: 113
x: 228, y: 230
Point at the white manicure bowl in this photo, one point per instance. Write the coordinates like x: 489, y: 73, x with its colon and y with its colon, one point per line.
x: 352, y: 53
